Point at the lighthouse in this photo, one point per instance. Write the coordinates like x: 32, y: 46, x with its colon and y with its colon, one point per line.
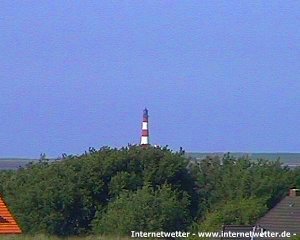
x: 145, y: 128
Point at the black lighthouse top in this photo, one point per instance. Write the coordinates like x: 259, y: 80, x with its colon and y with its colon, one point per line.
x: 145, y: 113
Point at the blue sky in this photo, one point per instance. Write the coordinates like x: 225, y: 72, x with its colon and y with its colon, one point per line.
x: 215, y: 75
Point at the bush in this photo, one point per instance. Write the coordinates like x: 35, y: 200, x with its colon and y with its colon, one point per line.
x: 62, y: 197
x: 145, y: 210
x: 236, y: 212
x: 134, y: 188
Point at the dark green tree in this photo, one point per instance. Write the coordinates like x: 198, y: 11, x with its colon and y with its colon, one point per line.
x: 146, y: 209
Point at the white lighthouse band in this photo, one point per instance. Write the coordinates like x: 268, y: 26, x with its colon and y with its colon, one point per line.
x: 145, y: 140
x: 145, y: 128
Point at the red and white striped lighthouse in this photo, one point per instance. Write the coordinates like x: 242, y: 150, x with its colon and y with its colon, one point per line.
x: 145, y: 128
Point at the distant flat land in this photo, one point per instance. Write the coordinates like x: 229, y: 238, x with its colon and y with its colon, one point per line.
x: 14, y: 163
x: 290, y: 159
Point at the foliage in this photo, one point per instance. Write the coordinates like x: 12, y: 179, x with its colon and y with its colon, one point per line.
x: 236, y: 212
x: 62, y: 197
x: 225, y: 179
x: 296, y: 178
x: 145, y: 210
x: 134, y: 188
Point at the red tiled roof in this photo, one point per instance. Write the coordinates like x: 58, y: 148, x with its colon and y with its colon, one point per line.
x: 8, y: 225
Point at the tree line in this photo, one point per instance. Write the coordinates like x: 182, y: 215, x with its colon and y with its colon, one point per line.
x: 116, y: 191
